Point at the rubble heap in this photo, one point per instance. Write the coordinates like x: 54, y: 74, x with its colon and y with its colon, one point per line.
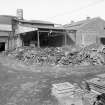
x: 58, y: 56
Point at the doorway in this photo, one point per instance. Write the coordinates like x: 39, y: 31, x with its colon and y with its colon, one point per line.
x: 102, y: 40
x: 2, y: 46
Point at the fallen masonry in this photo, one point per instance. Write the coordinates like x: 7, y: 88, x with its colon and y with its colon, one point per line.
x: 59, y: 56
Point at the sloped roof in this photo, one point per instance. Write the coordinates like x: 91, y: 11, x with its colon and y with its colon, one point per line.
x: 79, y: 24
x: 6, y: 19
x: 35, y: 21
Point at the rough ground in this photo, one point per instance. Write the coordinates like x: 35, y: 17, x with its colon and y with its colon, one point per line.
x: 21, y: 85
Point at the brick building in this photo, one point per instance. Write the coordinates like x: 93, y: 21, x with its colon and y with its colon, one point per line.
x: 86, y: 32
x: 16, y: 32
x: 11, y: 28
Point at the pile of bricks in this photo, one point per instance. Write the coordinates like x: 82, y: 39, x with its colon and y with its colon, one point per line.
x: 57, y: 56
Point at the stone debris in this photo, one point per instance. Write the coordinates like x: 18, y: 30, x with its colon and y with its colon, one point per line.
x: 97, y: 84
x: 59, y: 56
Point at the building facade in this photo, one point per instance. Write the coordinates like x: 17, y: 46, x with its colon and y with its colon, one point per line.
x: 87, y: 32
x: 11, y: 28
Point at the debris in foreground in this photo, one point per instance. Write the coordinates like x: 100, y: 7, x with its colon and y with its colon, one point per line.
x: 58, y: 56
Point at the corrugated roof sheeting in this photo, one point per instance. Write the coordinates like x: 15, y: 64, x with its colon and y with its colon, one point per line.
x: 35, y: 22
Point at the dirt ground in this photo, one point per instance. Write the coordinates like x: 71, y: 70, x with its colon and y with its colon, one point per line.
x: 32, y: 86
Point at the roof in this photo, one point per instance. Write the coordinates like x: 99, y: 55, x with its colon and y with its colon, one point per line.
x: 35, y: 22
x: 6, y: 19
x: 79, y: 24
x: 6, y: 22
x: 52, y: 28
x: 22, y: 28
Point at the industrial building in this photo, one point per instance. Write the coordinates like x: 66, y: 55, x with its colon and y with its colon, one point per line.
x: 88, y: 31
x: 16, y: 32
x: 39, y: 34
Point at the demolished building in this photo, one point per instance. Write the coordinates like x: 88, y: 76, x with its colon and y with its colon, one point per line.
x: 39, y: 34
x: 16, y: 32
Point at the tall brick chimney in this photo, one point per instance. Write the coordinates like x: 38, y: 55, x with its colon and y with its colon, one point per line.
x: 19, y: 14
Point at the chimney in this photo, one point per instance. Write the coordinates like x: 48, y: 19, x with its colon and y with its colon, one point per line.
x: 88, y: 18
x: 19, y: 14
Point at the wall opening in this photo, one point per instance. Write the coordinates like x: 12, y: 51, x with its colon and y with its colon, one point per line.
x: 2, y: 46
x: 29, y: 38
x: 102, y: 40
x: 51, y: 39
x: 46, y: 39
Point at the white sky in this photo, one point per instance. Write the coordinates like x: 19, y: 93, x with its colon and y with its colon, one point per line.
x: 57, y: 11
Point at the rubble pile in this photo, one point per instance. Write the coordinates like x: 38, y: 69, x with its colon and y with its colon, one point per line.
x: 37, y: 56
x: 58, y: 56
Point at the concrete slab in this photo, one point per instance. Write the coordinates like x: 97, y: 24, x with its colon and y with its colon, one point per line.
x: 62, y: 89
x: 70, y: 101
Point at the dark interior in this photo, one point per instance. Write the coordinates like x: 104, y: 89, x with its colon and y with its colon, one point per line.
x: 46, y: 39
x: 51, y: 40
x: 29, y: 37
x: 2, y: 46
x: 102, y: 40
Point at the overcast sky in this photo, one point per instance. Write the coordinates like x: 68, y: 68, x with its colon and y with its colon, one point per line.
x: 57, y: 11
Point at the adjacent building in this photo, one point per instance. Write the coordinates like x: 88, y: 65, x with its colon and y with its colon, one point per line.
x: 6, y: 32
x: 86, y: 32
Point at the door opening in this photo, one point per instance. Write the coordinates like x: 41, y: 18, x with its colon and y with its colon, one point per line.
x: 102, y: 40
x: 2, y: 46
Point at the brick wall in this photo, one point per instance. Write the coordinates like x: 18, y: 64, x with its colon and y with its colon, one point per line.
x: 89, y: 33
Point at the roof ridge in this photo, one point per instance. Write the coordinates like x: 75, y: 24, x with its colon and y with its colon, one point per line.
x: 80, y: 22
